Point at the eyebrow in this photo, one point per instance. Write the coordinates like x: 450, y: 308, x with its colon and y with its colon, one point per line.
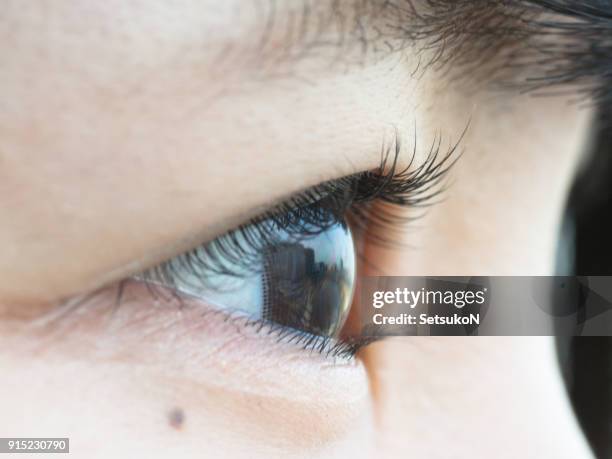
x: 294, y: 28
x: 536, y: 44
x: 580, y: 50
x: 543, y: 42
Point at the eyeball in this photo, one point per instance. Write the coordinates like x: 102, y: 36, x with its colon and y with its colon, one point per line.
x: 302, y: 282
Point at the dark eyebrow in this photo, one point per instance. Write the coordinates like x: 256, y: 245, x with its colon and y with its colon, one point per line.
x: 534, y: 44
x: 294, y: 28
x: 573, y: 42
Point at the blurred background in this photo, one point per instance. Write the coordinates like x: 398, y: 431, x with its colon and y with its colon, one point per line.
x: 586, y: 249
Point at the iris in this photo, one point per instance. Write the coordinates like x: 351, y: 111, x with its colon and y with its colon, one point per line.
x: 305, y: 283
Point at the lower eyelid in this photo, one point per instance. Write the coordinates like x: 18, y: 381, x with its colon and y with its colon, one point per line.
x: 211, y: 347
x: 197, y: 313
x: 191, y: 337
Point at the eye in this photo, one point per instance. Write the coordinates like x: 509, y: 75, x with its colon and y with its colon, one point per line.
x: 304, y: 282
x: 293, y: 269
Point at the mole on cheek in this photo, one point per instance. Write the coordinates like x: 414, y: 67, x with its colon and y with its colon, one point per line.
x: 176, y: 418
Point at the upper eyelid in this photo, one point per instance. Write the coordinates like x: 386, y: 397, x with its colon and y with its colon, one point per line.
x: 398, y: 169
x: 403, y: 180
x: 412, y: 185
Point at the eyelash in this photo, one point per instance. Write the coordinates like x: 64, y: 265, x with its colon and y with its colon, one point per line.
x: 310, y: 213
x: 317, y: 209
x: 344, y: 348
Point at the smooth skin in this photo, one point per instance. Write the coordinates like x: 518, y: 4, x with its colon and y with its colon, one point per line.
x: 133, y: 131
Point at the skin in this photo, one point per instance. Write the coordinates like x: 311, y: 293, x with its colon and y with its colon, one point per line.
x: 132, y: 131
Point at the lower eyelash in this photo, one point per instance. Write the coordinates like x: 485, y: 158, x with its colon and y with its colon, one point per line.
x: 329, y: 347
x: 60, y: 320
x: 342, y: 348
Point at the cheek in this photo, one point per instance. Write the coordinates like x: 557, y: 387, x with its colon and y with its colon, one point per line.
x: 189, y: 379
x: 125, y: 404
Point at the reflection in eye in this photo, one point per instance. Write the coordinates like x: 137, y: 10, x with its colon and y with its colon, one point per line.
x: 306, y: 284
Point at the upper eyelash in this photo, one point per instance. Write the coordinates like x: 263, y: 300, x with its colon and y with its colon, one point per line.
x: 406, y: 187
x: 321, y: 207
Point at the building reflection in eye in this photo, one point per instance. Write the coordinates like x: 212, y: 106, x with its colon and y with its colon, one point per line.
x: 306, y: 284
x: 310, y: 285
